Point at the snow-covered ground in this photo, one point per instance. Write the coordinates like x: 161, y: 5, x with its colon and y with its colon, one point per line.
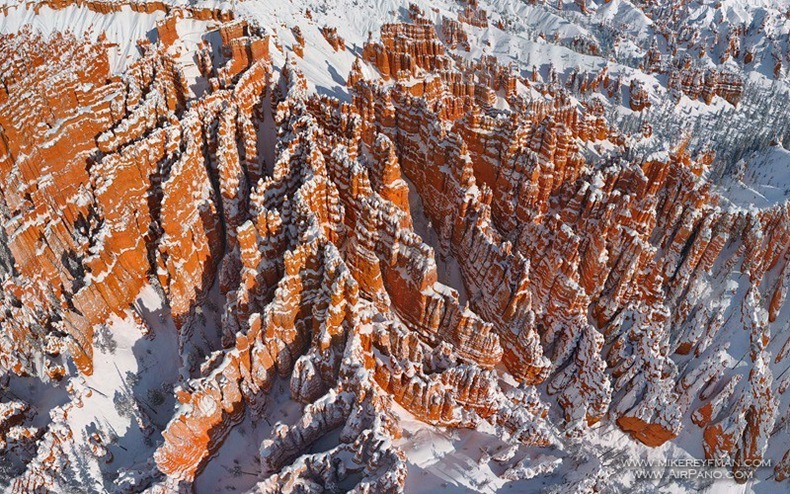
x: 115, y: 415
x: 130, y: 393
x: 760, y: 180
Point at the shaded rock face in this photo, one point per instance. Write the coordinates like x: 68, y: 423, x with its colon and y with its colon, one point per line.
x: 91, y: 224
x: 581, y: 280
x: 55, y: 222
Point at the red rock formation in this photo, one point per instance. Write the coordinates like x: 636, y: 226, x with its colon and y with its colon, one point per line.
x: 314, y: 311
x: 336, y: 42
x: 695, y: 83
x: 356, y: 73
x: 166, y: 30
x: 48, y: 252
x: 706, y: 413
x: 298, y: 47
x: 653, y: 59
x: 782, y: 469
x: 591, y: 279
x: 639, y: 99
x: 404, y: 48
x: 473, y: 15
x: 110, y: 6
x: 650, y: 418
x: 118, y: 206
x: 385, y: 175
x: 454, y: 34
x: 743, y: 435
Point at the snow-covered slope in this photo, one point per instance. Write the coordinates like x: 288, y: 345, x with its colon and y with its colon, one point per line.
x: 760, y: 180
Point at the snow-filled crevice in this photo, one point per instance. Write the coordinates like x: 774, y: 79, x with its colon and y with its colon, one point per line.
x: 448, y: 269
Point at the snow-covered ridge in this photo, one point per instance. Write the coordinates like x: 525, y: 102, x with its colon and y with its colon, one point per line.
x: 119, y: 27
x: 120, y: 23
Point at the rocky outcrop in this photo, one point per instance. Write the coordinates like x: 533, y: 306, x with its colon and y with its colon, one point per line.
x: 321, y: 308
x: 54, y: 225
x: 139, y: 194
x: 336, y: 42
x: 639, y: 99
x: 473, y: 15
x: 405, y: 48
x: 695, y: 83
x: 562, y: 263
x: 454, y: 34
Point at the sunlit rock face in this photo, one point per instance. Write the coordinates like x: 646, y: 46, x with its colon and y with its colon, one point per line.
x: 204, y: 249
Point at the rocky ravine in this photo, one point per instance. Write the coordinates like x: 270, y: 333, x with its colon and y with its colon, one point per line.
x: 440, y: 246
